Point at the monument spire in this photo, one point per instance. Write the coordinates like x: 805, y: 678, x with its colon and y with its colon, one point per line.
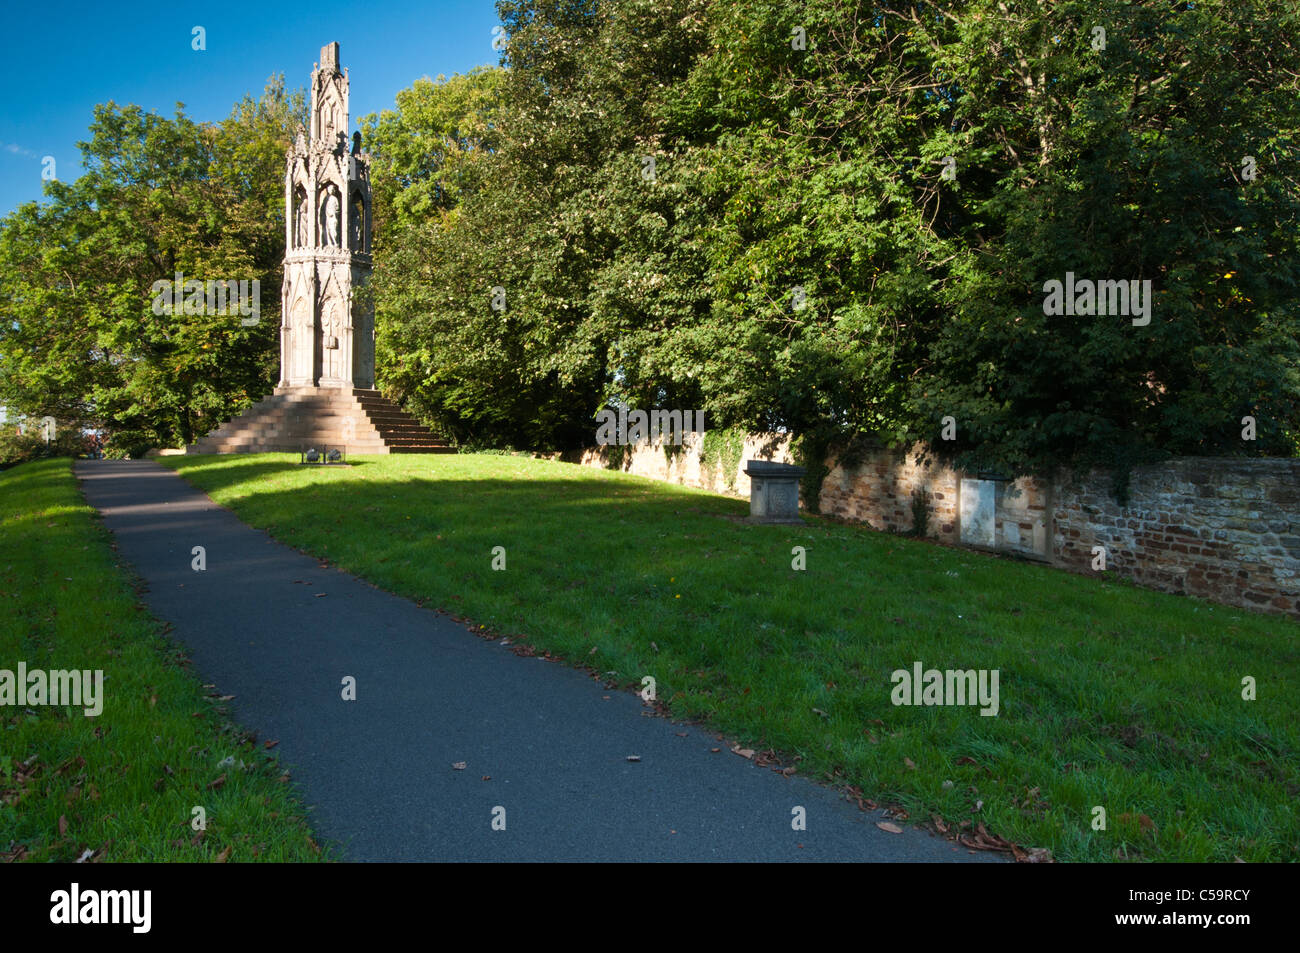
x: 325, y: 341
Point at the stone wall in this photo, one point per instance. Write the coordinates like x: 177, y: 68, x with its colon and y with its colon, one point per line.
x: 878, y: 491
x: 1221, y: 529
x: 1227, y: 530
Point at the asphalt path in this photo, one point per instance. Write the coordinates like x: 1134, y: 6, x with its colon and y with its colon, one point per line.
x: 544, y: 746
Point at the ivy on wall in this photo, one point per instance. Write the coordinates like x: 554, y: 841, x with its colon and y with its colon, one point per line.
x: 810, y: 452
x: 722, y: 448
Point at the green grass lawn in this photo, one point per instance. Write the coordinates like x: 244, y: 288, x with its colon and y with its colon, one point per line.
x: 124, y: 783
x: 1111, y: 696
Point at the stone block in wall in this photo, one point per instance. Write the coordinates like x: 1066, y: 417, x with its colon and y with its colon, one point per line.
x: 978, y: 512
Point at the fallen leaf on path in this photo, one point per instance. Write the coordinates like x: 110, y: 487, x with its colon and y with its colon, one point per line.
x: 983, y: 840
x: 1035, y: 855
x: 891, y: 828
x: 270, y: 744
x: 863, y: 804
x: 458, y: 766
x: 743, y: 752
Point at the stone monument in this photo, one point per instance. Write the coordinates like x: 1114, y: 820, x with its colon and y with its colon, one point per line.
x: 325, y: 398
x: 325, y: 339
x: 773, y: 491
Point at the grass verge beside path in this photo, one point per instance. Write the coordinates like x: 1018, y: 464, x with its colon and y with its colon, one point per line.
x: 1111, y: 696
x: 122, y: 784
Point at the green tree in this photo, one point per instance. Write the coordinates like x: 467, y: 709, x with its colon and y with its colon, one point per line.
x: 429, y: 151
x: 159, y: 196
x: 852, y: 215
x: 1121, y: 163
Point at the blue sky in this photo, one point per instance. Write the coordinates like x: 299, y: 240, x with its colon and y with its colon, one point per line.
x: 57, y: 62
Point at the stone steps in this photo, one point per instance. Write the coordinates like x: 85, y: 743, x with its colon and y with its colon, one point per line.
x: 295, y: 419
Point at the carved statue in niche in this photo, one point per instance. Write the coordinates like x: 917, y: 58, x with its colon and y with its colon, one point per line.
x: 330, y: 219
x: 357, y: 224
x: 300, y: 232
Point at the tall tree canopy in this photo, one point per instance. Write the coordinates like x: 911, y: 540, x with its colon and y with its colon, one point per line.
x: 850, y: 218
x: 80, y: 337
x: 831, y: 217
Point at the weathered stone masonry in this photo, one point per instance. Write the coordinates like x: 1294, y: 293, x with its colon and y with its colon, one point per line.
x: 1227, y: 530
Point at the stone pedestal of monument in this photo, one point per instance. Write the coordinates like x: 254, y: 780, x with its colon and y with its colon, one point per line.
x: 773, y: 491
x: 295, y: 418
